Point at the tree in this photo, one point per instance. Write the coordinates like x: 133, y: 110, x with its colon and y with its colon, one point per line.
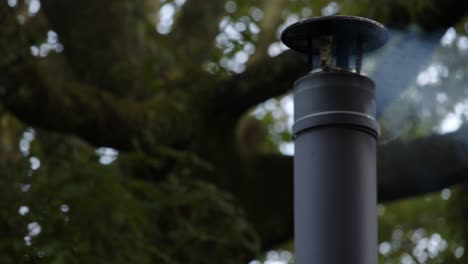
x: 169, y: 85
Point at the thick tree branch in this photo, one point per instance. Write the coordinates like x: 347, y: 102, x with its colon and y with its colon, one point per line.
x: 266, y: 79
x: 267, y: 197
x: 405, y: 169
x: 431, y: 15
x: 40, y: 93
x: 421, y: 166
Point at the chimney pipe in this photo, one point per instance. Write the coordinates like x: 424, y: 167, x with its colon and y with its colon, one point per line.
x: 335, y: 136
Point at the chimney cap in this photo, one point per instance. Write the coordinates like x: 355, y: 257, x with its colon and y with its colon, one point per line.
x: 304, y: 36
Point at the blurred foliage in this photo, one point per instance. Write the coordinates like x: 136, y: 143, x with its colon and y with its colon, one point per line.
x: 60, y: 205
x: 422, y: 230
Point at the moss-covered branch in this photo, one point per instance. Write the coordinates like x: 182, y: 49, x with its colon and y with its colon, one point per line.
x: 40, y: 93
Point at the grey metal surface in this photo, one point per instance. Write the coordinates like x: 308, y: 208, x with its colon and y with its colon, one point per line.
x: 335, y: 199
x: 335, y: 191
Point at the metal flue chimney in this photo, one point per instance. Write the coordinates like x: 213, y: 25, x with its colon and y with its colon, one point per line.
x: 335, y: 137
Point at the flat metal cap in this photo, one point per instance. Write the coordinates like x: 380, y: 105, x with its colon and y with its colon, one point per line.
x: 305, y: 36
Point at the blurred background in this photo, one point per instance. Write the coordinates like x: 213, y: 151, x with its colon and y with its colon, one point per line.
x: 158, y: 131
